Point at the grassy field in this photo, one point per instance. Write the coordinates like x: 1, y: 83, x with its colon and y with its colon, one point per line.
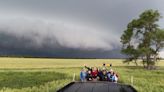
x: 48, y: 75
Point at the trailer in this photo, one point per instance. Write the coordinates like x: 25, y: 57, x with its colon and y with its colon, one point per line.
x: 98, y: 86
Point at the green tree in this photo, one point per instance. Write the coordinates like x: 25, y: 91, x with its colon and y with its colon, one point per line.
x: 143, y: 39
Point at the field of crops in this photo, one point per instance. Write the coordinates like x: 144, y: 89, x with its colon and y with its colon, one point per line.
x: 48, y: 75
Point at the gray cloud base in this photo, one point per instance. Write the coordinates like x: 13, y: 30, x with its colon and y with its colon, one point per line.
x: 79, y: 28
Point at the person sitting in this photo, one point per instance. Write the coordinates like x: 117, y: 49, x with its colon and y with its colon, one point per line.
x: 89, y: 76
x: 83, y: 75
x: 103, y: 75
x: 94, y: 73
x: 115, y: 77
x: 108, y: 75
x: 112, y: 76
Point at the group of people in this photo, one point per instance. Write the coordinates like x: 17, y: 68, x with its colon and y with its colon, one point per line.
x: 98, y: 74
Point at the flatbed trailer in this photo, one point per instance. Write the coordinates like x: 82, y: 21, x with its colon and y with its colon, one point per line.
x: 99, y: 86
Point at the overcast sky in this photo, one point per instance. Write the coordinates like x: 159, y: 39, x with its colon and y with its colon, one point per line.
x: 61, y: 28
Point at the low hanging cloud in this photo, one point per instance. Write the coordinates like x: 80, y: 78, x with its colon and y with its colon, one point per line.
x: 37, y: 34
x: 85, y: 28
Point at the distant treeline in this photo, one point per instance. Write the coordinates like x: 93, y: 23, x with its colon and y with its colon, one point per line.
x: 19, y: 56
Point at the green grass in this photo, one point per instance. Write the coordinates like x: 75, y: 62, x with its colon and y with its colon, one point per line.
x: 144, y: 80
x: 28, y: 79
x: 48, y: 75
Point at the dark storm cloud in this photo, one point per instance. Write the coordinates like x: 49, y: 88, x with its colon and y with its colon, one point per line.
x: 66, y: 35
x: 55, y: 27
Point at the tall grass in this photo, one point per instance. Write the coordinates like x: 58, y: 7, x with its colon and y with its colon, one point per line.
x: 52, y: 86
x: 32, y: 81
x: 28, y: 79
x: 48, y: 75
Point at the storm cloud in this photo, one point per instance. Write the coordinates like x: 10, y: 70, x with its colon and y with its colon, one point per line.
x: 37, y: 33
x: 74, y: 28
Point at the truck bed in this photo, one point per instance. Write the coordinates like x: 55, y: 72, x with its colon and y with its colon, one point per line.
x: 96, y: 87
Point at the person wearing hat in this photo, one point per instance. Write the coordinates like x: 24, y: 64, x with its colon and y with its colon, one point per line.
x: 103, y: 67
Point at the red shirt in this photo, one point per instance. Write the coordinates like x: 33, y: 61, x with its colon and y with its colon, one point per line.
x: 94, y: 73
